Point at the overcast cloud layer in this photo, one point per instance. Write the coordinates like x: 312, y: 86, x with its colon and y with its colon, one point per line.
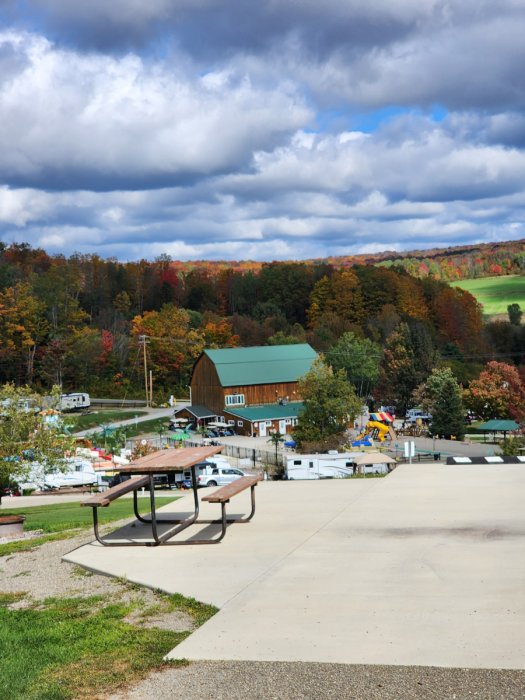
x: 270, y: 130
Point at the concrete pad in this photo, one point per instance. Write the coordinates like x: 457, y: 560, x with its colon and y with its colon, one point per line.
x: 423, y: 567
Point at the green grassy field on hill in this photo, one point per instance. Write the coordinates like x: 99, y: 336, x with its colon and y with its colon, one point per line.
x: 496, y: 293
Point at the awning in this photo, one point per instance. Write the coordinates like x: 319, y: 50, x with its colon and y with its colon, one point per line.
x: 373, y: 458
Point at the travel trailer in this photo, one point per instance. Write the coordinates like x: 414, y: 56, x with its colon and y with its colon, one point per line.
x: 74, y: 402
x: 333, y: 465
x: 336, y: 465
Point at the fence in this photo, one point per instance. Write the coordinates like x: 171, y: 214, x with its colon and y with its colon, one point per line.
x: 248, y: 457
x: 118, y: 403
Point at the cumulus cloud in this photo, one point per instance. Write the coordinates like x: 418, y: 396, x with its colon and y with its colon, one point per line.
x: 277, y: 129
x: 413, y: 182
x: 71, y: 120
x: 462, y: 53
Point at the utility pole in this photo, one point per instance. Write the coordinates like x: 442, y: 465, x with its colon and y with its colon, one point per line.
x: 144, y: 340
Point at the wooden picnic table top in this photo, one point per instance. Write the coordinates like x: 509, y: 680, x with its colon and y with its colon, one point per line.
x: 168, y: 460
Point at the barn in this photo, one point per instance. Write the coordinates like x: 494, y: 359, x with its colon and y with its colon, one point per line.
x: 254, y: 390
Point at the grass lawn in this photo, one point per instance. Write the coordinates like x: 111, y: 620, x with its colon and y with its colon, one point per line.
x: 155, y: 425
x: 64, y: 519
x: 57, y: 517
x: 82, y: 647
x: 147, y: 427
x: 496, y: 293
x: 87, y: 421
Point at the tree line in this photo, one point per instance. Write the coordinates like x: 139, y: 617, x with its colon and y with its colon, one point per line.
x: 82, y: 321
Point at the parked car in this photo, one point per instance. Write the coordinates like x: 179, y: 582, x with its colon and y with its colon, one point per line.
x: 219, y: 476
x: 211, y: 433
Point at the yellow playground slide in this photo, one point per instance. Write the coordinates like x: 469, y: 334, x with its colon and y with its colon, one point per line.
x: 377, y: 430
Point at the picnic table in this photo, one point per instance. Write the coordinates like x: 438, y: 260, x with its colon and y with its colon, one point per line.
x: 141, y: 474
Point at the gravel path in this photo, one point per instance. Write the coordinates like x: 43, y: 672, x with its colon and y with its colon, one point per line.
x: 235, y: 680
x: 41, y: 574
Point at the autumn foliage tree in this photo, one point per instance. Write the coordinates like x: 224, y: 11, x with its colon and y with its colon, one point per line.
x: 25, y: 438
x: 498, y: 393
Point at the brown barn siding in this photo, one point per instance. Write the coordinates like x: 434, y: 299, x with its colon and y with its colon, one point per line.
x: 262, y: 394
x: 205, y: 386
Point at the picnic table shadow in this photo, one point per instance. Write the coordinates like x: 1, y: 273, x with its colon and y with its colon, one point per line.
x: 137, y: 531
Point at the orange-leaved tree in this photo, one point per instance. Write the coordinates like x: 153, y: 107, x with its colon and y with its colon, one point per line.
x: 498, y: 393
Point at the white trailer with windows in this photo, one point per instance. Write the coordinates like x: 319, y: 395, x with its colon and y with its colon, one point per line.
x: 74, y: 402
x: 336, y: 465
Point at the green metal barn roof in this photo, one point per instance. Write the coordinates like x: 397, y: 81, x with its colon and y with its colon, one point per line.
x: 270, y: 364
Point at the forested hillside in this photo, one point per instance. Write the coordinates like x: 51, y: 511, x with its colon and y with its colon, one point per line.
x: 81, y: 321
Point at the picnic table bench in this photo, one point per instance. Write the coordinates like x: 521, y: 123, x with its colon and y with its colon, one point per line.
x: 104, y: 498
x: 224, y: 494
x: 133, y: 484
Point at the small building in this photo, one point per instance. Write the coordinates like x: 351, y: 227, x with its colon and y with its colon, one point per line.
x: 196, y: 415
x: 255, y: 390
x: 260, y: 421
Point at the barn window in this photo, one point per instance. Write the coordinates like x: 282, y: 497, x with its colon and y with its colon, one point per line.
x: 234, y: 400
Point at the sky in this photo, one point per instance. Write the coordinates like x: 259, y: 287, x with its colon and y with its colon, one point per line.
x: 268, y: 130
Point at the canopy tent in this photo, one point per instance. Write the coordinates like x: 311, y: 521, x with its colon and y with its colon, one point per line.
x: 179, y: 436
x: 382, y: 417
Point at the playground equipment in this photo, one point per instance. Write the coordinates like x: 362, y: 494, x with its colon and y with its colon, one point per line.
x: 379, y: 427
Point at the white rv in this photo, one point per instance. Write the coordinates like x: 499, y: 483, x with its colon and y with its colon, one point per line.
x: 79, y: 472
x: 335, y: 465
x: 74, y: 402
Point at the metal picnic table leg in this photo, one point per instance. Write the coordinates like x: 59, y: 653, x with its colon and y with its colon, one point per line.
x: 107, y: 543
x: 153, y: 511
x: 170, y: 521
x: 184, y: 523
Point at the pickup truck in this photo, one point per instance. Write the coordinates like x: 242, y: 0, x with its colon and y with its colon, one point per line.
x: 414, y: 413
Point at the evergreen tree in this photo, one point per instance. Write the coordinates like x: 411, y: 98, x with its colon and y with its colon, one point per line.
x: 442, y: 397
x: 359, y: 358
x: 330, y: 405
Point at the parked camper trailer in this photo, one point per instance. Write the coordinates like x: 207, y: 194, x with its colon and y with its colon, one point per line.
x: 74, y: 402
x: 79, y: 472
x: 335, y: 465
